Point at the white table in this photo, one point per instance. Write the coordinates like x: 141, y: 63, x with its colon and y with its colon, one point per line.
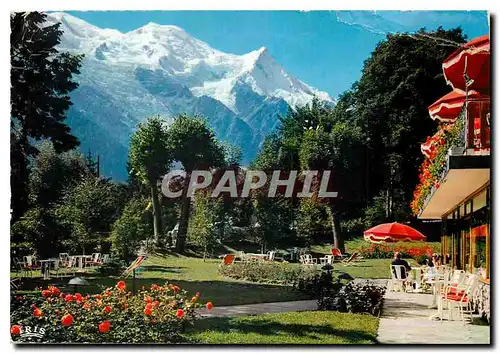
x: 436, y: 280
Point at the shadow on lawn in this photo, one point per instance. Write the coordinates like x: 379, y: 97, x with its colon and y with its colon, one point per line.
x: 272, y: 328
x: 221, y: 293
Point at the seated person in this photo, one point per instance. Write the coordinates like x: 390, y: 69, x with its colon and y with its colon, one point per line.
x: 399, y: 261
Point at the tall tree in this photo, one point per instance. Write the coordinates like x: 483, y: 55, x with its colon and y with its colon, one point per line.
x: 149, y: 159
x: 195, y: 146
x: 400, y: 79
x: 41, y: 80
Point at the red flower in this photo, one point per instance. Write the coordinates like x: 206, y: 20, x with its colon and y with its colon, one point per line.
x: 54, y: 290
x: 67, y: 320
x: 15, y: 330
x: 209, y: 305
x: 78, y: 297
x: 154, y: 287
x: 46, y: 293
x: 104, y: 327
x: 86, y: 306
x: 37, y: 312
x: 121, y: 285
x: 180, y: 313
x: 68, y: 298
x: 148, y: 299
x: 194, y: 299
x: 148, y: 310
x: 175, y: 288
x: 107, y: 309
x: 197, y: 294
x: 156, y: 304
x: 125, y: 305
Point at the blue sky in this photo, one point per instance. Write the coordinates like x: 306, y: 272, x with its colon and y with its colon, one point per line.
x: 325, y: 49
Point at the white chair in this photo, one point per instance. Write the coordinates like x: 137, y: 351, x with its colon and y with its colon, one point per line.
x: 70, y: 266
x: 94, y: 260
x: 270, y: 255
x: 460, y: 296
x: 105, y: 258
x: 308, y: 260
x: 327, y: 259
x: 64, y: 257
x: 399, y: 277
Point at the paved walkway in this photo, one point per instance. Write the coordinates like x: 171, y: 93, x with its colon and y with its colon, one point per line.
x: 405, y: 320
x: 257, y: 309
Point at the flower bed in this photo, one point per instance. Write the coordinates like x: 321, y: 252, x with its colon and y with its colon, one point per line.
x: 158, y: 314
x: 418, y: 252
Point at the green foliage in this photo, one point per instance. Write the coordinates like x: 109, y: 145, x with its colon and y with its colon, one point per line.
x: 311, y: 220
x: 149, y: 155
x: 88, y: 210
x: 355, y: 297
x: 158, y: 314
x: 205, y: 221
x: 131, y: 228
x: 401, y: 78
x: 113, y: 267
x: 41, y: 80
x: 194, y: 144
x: 282, y: 273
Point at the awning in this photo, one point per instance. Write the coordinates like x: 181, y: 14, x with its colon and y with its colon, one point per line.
x: 465, y: 175
x: 471, y: 61
x: 448, y: 107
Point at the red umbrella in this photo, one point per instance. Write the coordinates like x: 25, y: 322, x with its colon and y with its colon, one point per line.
x: 392, y: 232
x: 448, y: 107
x: 472, y: 61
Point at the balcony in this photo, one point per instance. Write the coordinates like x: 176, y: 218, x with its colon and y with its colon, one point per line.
x: 468, y: 162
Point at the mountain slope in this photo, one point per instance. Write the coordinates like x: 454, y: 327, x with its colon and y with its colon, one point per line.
x: 158, y: 69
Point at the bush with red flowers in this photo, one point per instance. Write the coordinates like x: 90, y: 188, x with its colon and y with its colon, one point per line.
x: 431, y: 171
x: 418, y: 251
x: 158, y: 314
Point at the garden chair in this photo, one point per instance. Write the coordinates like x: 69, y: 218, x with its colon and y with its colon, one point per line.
x: 70, y: 266
x: 337, y: 253
x: 399, y: 278
x: 30, y: 264
x: 105, y: 258
x: 328, y: 259
x: 308, y: 260
x: 352, y: 259
x: 94, y: 261
x: 270, y: 256
x: 64, y: 257
x: 18, y: 264
x: 460, y: 296
x: 228, y: 259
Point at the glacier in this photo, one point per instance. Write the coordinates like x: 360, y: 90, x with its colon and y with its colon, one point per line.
x: 161, y: 69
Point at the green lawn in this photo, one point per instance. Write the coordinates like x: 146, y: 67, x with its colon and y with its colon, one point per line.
x: 191, y: 274
x: 311, y: 327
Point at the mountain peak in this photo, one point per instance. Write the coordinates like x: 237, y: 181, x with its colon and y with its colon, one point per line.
x: 153, y: 26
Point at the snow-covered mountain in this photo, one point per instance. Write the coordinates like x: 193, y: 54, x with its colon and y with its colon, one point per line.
x: 158, y: 69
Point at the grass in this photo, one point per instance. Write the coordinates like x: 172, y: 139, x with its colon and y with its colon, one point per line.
x: 191, y: 274
x: 311, y: 327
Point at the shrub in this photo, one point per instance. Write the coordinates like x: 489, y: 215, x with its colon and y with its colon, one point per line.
x: 114, y: 266
x: 269, y: 272
x: 158, y: 314
x: 355, y: 297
